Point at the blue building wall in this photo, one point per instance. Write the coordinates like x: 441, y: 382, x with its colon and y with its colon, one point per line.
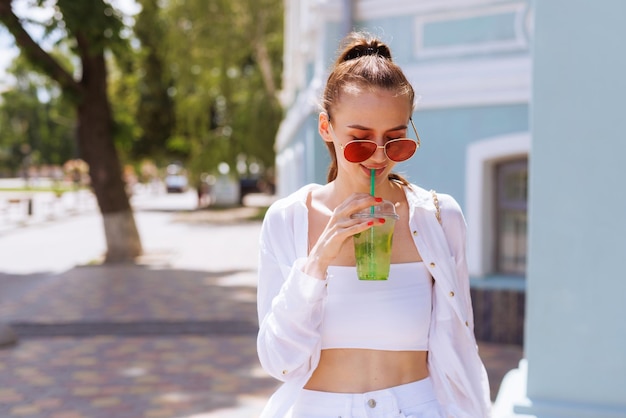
x: 446, y: 134
x: 577, y: 352
x: 575, y: 340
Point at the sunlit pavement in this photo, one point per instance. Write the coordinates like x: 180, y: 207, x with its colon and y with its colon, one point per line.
x: 171, y: 337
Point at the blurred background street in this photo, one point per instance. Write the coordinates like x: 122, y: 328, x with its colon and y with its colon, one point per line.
x: 172, y: 336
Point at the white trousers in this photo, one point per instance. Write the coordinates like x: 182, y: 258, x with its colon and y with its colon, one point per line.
x: 412, y: 400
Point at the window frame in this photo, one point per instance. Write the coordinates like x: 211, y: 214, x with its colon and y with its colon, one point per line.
x: 481, y: 157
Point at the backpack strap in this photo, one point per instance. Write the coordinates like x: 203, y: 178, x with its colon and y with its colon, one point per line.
x: 437, y: 208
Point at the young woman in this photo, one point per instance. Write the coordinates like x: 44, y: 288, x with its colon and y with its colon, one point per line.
x: 343, y: 347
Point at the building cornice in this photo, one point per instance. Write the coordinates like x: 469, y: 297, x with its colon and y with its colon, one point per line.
x: 480, y: 82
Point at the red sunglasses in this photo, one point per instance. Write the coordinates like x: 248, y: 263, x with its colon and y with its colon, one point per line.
x: 359, y: 150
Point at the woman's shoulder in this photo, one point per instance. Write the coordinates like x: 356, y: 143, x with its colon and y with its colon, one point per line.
x: 447, y: 202
x: 423, y: 195
x: 444, y: 203
x: 291, y: 203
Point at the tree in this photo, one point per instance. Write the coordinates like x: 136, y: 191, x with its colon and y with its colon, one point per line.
x: 91, y: 28
x: 225, y: 80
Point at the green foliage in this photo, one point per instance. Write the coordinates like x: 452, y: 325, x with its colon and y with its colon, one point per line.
x: 199, y: 83
x: 122, y: 89
x: 37, y: 122
x: 155, y: 108
x: 38, y: 112
x: 221, y: 66
x: 95, y: 20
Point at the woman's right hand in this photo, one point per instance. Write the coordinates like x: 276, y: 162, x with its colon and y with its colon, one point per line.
x: 340, y: 227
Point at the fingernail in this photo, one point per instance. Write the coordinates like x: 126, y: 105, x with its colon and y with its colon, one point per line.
x: 381, y: 220
x: 378, y: 199
x: 370, y: 223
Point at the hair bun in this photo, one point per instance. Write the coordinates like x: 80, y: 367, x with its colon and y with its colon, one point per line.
x: 369, y: 49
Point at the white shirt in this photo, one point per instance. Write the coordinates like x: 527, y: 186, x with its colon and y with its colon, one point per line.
x: 290, y: 304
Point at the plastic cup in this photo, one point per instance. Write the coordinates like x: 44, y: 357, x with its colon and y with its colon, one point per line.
x: 372, y: 247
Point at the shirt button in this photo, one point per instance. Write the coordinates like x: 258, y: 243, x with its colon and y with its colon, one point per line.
x: 284, y: 372
x: 415, y: 233
x: 371, y: 403
x: 451, y: 294
x: 432, y: 265
x: 466, y: 324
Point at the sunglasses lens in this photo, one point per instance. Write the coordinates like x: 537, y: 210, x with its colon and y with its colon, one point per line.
x: 401, y: 149
x: 397, y: 150
x: 357, y: 151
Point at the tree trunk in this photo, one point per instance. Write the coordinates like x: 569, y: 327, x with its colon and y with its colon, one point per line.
x: 97, y: 148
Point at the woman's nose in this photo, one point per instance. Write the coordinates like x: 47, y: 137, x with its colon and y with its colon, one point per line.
x: 379, y: 154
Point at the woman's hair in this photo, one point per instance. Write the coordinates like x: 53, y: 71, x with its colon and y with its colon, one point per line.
x: 364, y: 63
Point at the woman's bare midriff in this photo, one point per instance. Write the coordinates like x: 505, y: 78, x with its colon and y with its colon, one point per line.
x: 359, y: 371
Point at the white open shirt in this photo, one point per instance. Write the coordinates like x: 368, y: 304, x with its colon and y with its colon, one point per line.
x: 290, y: 304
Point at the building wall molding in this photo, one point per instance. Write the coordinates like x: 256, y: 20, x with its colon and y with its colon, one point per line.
x: 373, y: 9
x: 479, y: 31
x: 484, y: 82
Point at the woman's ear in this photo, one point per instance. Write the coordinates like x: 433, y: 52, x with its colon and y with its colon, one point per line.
x: 323, y: 126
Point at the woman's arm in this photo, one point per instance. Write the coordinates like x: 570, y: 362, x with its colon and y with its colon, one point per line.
x: 289, y: 306
x: 291, y: 290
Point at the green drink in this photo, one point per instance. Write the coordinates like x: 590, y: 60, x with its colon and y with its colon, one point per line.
x: 372, y: 247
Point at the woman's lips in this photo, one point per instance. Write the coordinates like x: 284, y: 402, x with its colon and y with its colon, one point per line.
x: 378, y: 171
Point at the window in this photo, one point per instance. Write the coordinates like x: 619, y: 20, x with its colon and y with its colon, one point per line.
x: 511, y: 216
x: 481, y: 201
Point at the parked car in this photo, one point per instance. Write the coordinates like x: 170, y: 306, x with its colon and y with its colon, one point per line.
x: 176, y: 183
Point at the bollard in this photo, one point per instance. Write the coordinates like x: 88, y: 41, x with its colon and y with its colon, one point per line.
x: 30, y: 207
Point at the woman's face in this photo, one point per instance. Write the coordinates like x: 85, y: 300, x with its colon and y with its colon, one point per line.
x: 377, y: 115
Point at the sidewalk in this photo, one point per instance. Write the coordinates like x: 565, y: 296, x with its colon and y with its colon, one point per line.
x: 172, y: 337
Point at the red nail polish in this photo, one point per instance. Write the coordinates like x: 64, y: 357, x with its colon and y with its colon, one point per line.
x: 381, y: 220
x: 378, y: 199
x: 370, y: 223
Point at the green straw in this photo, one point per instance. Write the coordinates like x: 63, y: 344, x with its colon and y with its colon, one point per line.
x: 372, y: 185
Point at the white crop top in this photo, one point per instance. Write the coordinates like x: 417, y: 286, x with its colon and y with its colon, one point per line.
x: 391, y: 314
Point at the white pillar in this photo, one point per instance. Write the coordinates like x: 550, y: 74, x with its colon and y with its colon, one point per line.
x: 576, y: 301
